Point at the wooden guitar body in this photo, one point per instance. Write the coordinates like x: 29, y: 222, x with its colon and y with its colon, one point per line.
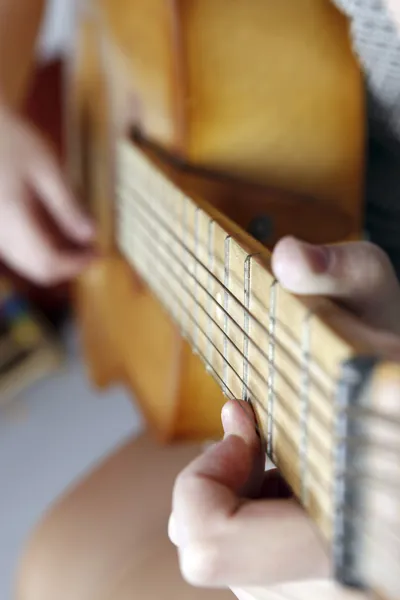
x: 200, y: 133
x: 259, y: 108
x: 264, y: 91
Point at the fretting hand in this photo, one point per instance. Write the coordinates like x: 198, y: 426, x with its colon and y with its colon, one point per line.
x: 29, y: 168
x: 262, y: 549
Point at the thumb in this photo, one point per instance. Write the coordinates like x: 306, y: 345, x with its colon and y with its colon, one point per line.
x: 357, y: 274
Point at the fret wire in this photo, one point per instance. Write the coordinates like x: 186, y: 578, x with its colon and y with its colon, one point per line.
x: 313, y: 472
x: 357, y: 473
x: 246, y: 324
x: 254, y: 398
x: 305, y: 405
x: 166, y: 226
x: 210, y: 368
x: 210, y: 297
x: 129, y: 185
x: 196, y: 282
x: 148, y: 208
x: 185, y: 253
x: 213, y: 300
x: 175, y: 267
x: 277, y: 343
x: 191, y: 317
x: 230, y: 395
x: 289, y: 383
x: 216, y: 374
x: 271, y: 357
x: 227, y: 246
x: 288, y: 412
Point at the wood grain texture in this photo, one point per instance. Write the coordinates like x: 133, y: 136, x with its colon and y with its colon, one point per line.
x: 283, y: 353
x: 146, y: 34
x: 265, y: 91
x: 89, y: 126
x: 274, y: 96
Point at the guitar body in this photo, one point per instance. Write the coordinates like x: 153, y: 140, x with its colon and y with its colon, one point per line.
x: 257, y: 107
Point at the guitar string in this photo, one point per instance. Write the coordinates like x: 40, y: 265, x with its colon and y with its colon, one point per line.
x: 122, y: 189
x: 366, y: 411
x: 146, y: 203
x: 150, y: 227
x: 354, y: 473
x: 190, y: 316
x: 254, y: 398
x: 146, y: 228
x: 217, y: 326
x: 291, y: 385
x: 284, y: 377
x: 216, y: 374
x: 208, y: 315
x: 352, y: 412
x: 234, y: 298
x: 212, y: 276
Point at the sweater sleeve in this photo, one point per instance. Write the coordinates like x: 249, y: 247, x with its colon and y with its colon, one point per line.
x: 376, y: 42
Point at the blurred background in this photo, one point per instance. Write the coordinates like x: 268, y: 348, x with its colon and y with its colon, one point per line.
x: 53, y: 426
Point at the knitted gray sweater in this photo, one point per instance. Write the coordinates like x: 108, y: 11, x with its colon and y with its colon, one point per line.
x: 376, y: 41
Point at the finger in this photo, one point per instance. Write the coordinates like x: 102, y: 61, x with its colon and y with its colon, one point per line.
x: 218, y: 533
x: 220, y: 473
x: 26, y: 248
x: 238, y: 419
x: 358, y: 274
x: 48, y: 181
x: 262, y: 543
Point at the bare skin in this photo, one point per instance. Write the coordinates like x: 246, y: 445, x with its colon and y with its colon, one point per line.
x: 29, y: 171
x: 210, y: 521
x: 262, y: 549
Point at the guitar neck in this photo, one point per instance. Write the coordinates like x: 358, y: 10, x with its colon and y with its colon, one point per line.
x: 293, y: 358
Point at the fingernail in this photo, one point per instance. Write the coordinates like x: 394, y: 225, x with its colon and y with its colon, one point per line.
x: 318, y: 257
x: 232, y: 416
x: 227, y: 421
x: 294, y: 259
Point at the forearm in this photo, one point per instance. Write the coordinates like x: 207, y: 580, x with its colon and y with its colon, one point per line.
x: 20, y: 22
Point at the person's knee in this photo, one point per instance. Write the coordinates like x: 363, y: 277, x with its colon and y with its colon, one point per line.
x: 44, y: 569
x: 53, y: 564
x: 106, y: 525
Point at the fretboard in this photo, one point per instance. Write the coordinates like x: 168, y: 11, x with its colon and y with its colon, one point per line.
x: 260, y: 343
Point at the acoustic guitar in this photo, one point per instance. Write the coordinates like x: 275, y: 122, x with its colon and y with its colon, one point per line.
x: 200, y: 133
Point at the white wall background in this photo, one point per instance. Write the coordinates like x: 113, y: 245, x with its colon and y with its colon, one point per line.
x: 49, y: 437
